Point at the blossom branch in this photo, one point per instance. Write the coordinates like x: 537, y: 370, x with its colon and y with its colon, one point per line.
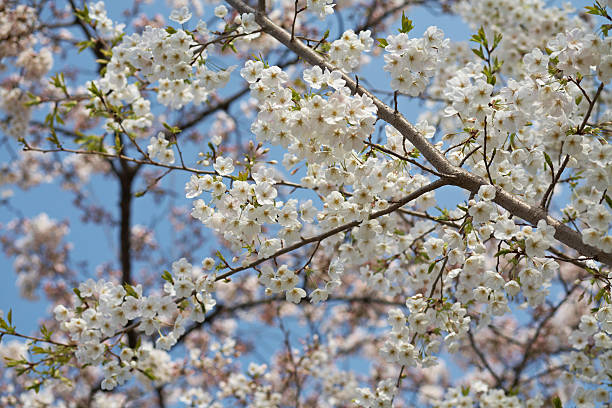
x: 518, y: 369
x: 457, y: 176
x: 483, y: 359
x: 28, y: 147
x: 410, y: 197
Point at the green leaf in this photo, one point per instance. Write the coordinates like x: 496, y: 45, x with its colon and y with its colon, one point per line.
x: 608, y: 200
x: 3, y: 324
x: 78, y: 293
x: 69, y: 105
x: 503, y: 252
x: 91, y: 143
x: 167, y: 277
x: 548, y: 160
x: 45, y: 332
x: 478, y: 52
x: 483, y: 37
x: 497, y: 64
x: 83, y: 45
x: 172, y: 129
x: 129, y: 289
x: 118, y: 145
x: 59, y: 82
x: 9, y: 316
x: 407, y: 25
x: 94, y: 90
x: 557, y: 402
x: 295, y: 95
x: 382, y: 43
x: 593, y: 10
x: 34, y: 100
x: 465, y: 391
x: 496, y: 40
x: 170, y: 30
x: 243, y: 176
x: 149, y: 373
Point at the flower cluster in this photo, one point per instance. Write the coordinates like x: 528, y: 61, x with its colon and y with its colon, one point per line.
x: 381, y: 397
x: 40, y: 253
x: 35, y: 64
x: 13, y: 103
x: 525, y: 24
x: 592, y: 344
x: 103, y: 24
x: 158, y: 149
x: 346, y: 52
x: 481, y: 394
x: 412, y: 61
x: 321, y: 7
x: 104, y: 310
x: 364, y: 230
x: 243, y: 209
x: 280, y: 280
x: 425, y: 322
x: 247, y: 25
x: 157, y: 55
x: 319, y: 130
x: 16, y: 28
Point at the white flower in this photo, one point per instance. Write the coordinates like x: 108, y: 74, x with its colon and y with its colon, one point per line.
x: 183, y: 288
x: 481, y: 211
x: 322, y: 7
x: 252, y: 71
x: 505, y: 228
x: 61, y: 313
x: 181, y: 15
x: 512, y: 288
x: 334, y: 79
x: 165, y: 342
x: 434, y: 247
x: 318, y: 295
x: 194, y: 187
x: 295, y: 295
x: 314, y: 77
x: 220, y: 11
x: 265, y: 193
x: 201, y: 27
x: 578, y: 339
x: 224, y: 166
x: 248, y: 23
x: 486, y: 192
x: 308, y: 211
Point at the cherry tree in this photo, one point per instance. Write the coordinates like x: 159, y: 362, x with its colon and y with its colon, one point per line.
x: 325, y: 250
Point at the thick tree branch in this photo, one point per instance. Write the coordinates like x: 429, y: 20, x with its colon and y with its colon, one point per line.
x: 126, y: 179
